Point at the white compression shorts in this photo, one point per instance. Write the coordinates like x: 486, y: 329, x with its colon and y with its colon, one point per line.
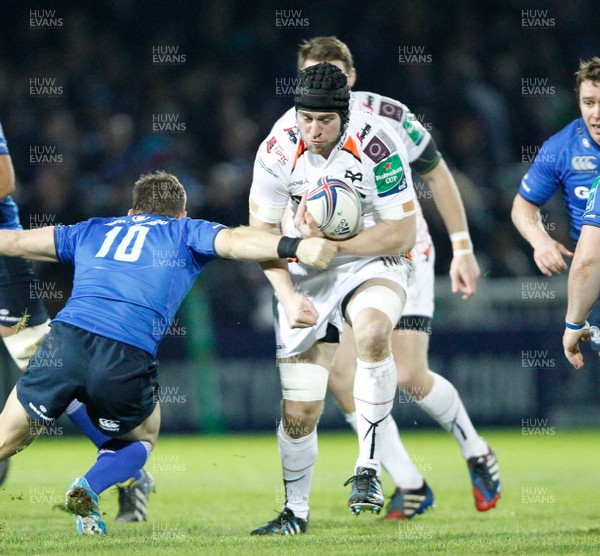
x: 22, y: 345
x: 327, y: 290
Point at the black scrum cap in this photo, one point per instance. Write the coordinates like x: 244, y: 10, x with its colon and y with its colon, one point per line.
x: 323, y: 88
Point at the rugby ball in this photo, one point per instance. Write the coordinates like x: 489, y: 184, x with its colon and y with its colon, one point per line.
x: 336, y: 207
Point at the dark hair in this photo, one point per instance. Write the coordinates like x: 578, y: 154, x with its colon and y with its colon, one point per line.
x: 159, y: 193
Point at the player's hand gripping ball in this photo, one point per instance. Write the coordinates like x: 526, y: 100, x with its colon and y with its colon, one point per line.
x: 336, y: 207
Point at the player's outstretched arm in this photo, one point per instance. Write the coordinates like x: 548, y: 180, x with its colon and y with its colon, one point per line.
x: 35, y: 244
x: 253, y: 244
x: 548, y: 253
x: 464, y: 270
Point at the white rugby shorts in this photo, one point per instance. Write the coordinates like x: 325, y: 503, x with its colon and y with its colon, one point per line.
x: 327, y: 290
x: 420, y: 290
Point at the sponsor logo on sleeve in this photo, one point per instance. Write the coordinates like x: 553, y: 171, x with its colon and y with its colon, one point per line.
x: 380, y: 147
x: 389, y: 176
x: 389, y: 110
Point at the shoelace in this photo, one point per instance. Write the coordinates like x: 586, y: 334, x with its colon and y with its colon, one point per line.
x: 363, y: 481
x: 482, y: 470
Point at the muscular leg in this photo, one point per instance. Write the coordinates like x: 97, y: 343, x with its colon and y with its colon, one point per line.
x: 432, y: 392
x: 296, y: 434
x: 394, y: 457
x: 17, y: 429
x: 375, y: 380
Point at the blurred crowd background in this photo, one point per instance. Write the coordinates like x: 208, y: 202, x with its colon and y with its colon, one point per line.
x: 193, y: 87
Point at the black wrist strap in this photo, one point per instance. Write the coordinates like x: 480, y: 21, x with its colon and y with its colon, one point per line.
x: 287, y: 246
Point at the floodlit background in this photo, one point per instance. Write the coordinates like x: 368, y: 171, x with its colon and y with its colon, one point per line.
x: 94, y: 93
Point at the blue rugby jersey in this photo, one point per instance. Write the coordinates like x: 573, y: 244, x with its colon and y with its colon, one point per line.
x: 9, y: 212
x: 132, y: 272
x: 569, y: 160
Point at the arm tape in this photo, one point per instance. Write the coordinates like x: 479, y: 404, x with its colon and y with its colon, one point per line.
x: 429, y: 159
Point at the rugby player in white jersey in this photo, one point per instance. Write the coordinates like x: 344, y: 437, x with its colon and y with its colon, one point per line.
x: 410, y: 340
x: 364, y: 286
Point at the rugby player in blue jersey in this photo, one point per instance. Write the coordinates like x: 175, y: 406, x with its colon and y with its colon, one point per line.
x: 131, y: 274
x: 24, y: 322
x: 584, y: 278
x: 569, y: 161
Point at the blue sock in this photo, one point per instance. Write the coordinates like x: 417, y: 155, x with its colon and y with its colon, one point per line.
x: 117, y: 461
x: 78, y: 414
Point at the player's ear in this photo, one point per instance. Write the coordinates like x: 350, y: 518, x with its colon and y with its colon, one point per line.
x: 352, y: 77
x: 130, y: 212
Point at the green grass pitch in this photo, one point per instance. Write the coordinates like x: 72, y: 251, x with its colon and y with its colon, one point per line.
x: 211, y: 491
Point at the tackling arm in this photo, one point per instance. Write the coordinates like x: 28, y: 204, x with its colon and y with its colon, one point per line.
x: 35, y: 244
x: 252, y: 244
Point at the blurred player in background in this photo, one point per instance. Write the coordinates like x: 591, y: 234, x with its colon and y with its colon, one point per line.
x: 365, y: 286
x: 24, y: 322
x: 126, y: 291
x: 410, y: 340
x: 584, y: 279
x: 569, y: 161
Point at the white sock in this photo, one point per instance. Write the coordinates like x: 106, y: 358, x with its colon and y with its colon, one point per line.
x: 395, y: 458
x: 443, y: 403
x: 351, y: 420
x: 298, y: 457
x: 374, y: 392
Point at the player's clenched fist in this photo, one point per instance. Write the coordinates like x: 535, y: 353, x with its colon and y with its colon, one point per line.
x: 317, y: 252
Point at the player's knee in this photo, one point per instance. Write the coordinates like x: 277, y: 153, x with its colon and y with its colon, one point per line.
x: 300, y: 418
x: 372, y: 335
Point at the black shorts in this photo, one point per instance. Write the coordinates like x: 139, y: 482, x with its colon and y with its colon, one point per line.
x: 20, y: 293
x: 116, y: 381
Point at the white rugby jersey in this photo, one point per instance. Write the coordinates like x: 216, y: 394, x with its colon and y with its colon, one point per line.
x: 412, y: 134
x: 370, y: 155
